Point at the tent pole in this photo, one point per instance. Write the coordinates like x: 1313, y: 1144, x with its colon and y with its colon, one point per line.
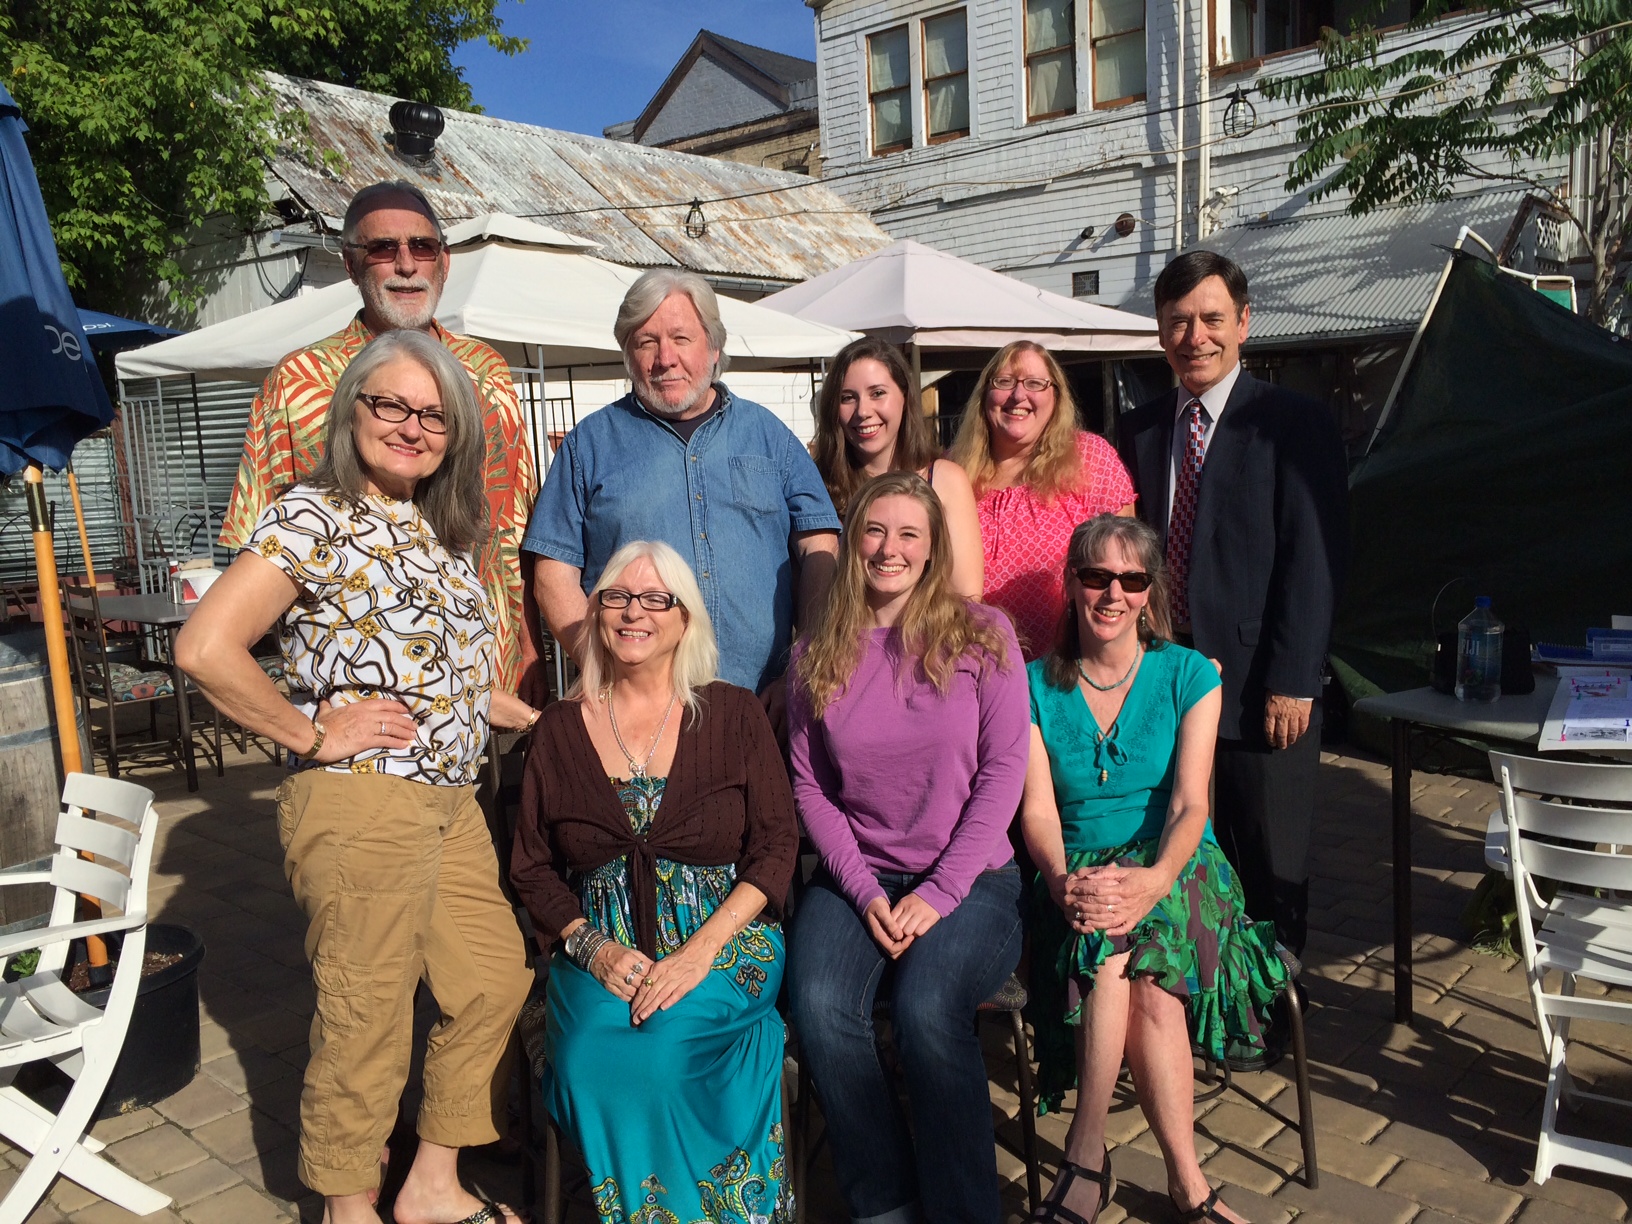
x: 1416, y: 341
x: 79, y: 519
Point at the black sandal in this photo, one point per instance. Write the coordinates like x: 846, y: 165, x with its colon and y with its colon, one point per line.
x: 1053, y: 1211
x: 1197, y: 1215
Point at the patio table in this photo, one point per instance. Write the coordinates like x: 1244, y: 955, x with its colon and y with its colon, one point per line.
x: 1509, y: 720
x: 159, y: 612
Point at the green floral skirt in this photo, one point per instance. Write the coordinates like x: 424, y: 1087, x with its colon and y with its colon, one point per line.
x: 1197, y: 944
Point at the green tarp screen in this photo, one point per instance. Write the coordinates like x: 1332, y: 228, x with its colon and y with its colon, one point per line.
x: 1505, y: 470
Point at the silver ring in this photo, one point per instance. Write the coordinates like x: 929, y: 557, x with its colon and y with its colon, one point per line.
x: 382, y: 726
x: 629, y: 978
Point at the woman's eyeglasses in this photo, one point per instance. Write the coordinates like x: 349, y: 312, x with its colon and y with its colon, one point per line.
x: 652, y: 601
x: 1004, y: 382
x: 384, y: 250
x: 395, y: 412
x: 1095, y: 579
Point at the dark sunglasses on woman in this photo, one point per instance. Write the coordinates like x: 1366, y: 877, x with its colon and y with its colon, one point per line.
x: 1095, y: 579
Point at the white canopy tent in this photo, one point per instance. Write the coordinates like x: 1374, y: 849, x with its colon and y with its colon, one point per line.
x: 909, y: 293
x: 530, y: 291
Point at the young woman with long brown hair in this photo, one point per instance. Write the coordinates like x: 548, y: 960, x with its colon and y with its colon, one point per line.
x: 908, y: 735
x: 869, y: 420
x: 1036, y: 474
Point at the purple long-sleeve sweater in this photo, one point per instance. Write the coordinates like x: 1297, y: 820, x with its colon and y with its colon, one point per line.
x: 896, y: 778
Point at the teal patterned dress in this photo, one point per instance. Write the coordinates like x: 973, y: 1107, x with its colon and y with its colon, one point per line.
x: 1113, y: 787
x: 680, y: 1119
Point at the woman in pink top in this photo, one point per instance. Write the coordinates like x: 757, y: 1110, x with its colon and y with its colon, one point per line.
x: 1035, y: 477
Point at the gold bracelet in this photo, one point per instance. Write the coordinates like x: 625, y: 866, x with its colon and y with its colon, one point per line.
x: 318, y: 735
x: 533, y: 721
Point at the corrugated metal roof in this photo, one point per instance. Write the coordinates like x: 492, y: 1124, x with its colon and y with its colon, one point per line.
x: 1336, y: 276
x: 631, y: 199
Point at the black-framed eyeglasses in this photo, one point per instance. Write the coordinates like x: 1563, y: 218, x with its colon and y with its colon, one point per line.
x: 1005, y: 382
x: 393, y: 411
x: 1095, y: 579
x: 652, y: 601
x: 384, y: 250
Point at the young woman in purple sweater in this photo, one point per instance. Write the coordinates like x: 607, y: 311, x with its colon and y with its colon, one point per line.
x: 909, y: 732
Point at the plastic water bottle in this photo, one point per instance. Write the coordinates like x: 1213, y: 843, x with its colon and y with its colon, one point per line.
x: 1479, y: 654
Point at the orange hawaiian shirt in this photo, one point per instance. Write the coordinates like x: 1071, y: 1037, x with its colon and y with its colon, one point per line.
x: 284, y: 442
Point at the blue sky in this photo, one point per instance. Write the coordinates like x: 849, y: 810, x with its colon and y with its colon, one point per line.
x: 597, y: 62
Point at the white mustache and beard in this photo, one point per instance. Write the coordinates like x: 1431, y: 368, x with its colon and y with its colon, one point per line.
x: 405, y: 316
x: 652, y: 399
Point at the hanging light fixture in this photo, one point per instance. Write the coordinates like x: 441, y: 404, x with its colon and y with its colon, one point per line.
x: 696, y: 223
x: 1240, y: 116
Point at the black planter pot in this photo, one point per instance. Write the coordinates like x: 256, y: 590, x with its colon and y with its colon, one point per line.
x: 160, y: 1055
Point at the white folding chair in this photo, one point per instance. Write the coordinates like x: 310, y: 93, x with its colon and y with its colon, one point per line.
x: 1557, y: 837
x: 41, y: 1019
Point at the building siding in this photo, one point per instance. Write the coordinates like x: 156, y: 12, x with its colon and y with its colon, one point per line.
x: 1017, y: 196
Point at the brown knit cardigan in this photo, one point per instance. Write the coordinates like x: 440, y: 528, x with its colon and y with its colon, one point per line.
x: 727, y: 800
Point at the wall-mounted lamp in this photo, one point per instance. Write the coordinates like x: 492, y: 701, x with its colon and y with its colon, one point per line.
x: 696, y: 223
x: 1087, y: 233
x: 1240, y: 116
x: 1124, y: 225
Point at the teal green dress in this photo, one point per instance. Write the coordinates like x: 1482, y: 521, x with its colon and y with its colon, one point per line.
x: 680, y: 1119
x: 1113, y: 787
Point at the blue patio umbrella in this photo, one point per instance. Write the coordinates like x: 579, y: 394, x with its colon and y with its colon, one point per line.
x: 51, y: 394
x: 108, y: 333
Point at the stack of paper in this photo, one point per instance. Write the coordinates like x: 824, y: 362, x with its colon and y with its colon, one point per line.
x: 1599, y: 710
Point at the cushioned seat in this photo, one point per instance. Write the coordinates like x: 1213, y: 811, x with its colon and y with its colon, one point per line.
x: 132, y: 683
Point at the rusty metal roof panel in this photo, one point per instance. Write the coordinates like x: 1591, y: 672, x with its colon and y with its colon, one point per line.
x: 633, y: 200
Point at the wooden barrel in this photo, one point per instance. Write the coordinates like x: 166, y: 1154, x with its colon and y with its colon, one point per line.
x: 30, y: 768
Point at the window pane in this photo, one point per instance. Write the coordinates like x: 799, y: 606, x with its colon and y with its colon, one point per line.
x: 887, y: 60
x: 1119, y: 67
x: 948, y: 105
x: 1235, y: 38
x: 1117, y: 16
x: 892, y: 124
x: 1048, y: 24
x: 1053, y: 84
x: 946, y: 45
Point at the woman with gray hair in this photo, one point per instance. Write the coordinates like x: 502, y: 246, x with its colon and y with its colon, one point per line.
x: 388, y: 640
x: 656, y: 843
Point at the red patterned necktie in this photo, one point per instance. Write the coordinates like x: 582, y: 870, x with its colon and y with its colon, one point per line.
x: 1182, y: 522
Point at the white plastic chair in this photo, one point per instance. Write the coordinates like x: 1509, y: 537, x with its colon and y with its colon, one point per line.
x: 41, y: 1019
x: 1584, y: 931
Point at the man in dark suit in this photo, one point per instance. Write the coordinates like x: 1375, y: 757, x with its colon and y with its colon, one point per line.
x: 1248, y: 485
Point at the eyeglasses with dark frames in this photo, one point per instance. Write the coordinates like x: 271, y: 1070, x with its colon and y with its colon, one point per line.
x: 384, y: 250
x: 394, y: 412
x: 652, y: 601
x: 1006, y: 382
x: 1095, y: 579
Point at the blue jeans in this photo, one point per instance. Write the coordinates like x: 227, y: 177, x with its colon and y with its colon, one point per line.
x: 835, y: 973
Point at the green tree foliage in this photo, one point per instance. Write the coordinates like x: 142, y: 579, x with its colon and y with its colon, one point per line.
x: 149, y: 118
x: 1409, y: 117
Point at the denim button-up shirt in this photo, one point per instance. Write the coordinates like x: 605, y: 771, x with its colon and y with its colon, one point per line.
x: 728, y: 501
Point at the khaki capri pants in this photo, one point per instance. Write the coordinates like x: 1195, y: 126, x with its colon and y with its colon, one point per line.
x: 398, y: 881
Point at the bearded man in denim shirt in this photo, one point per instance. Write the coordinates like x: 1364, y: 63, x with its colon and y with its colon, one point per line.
x: 681, y: 459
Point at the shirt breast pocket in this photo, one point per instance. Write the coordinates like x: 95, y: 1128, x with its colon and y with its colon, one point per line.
x: 755, y: 484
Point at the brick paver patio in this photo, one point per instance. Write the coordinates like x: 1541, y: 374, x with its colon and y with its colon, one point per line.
x: 1427, y: 1125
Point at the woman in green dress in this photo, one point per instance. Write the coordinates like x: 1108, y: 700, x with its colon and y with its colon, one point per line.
x: 1142, y: 942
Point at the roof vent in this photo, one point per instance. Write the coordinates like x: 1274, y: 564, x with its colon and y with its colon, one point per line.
x: 414, y: 128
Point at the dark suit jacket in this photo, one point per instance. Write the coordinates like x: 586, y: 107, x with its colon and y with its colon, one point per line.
x: 1270, y: 547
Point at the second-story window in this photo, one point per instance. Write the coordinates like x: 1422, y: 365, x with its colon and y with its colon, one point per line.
x: 1051, y: 58
x: 1117, y: 36
x: 889, y: 89
x: 946, y: 76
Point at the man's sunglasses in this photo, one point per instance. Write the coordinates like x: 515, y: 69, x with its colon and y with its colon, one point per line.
x: 1095, y: 579
x: 384, y: 250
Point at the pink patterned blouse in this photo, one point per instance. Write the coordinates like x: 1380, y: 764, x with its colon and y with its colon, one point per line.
x: 1025, y: 540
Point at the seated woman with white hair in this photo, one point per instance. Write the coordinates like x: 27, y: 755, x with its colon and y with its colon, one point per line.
x: 656, y: 843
